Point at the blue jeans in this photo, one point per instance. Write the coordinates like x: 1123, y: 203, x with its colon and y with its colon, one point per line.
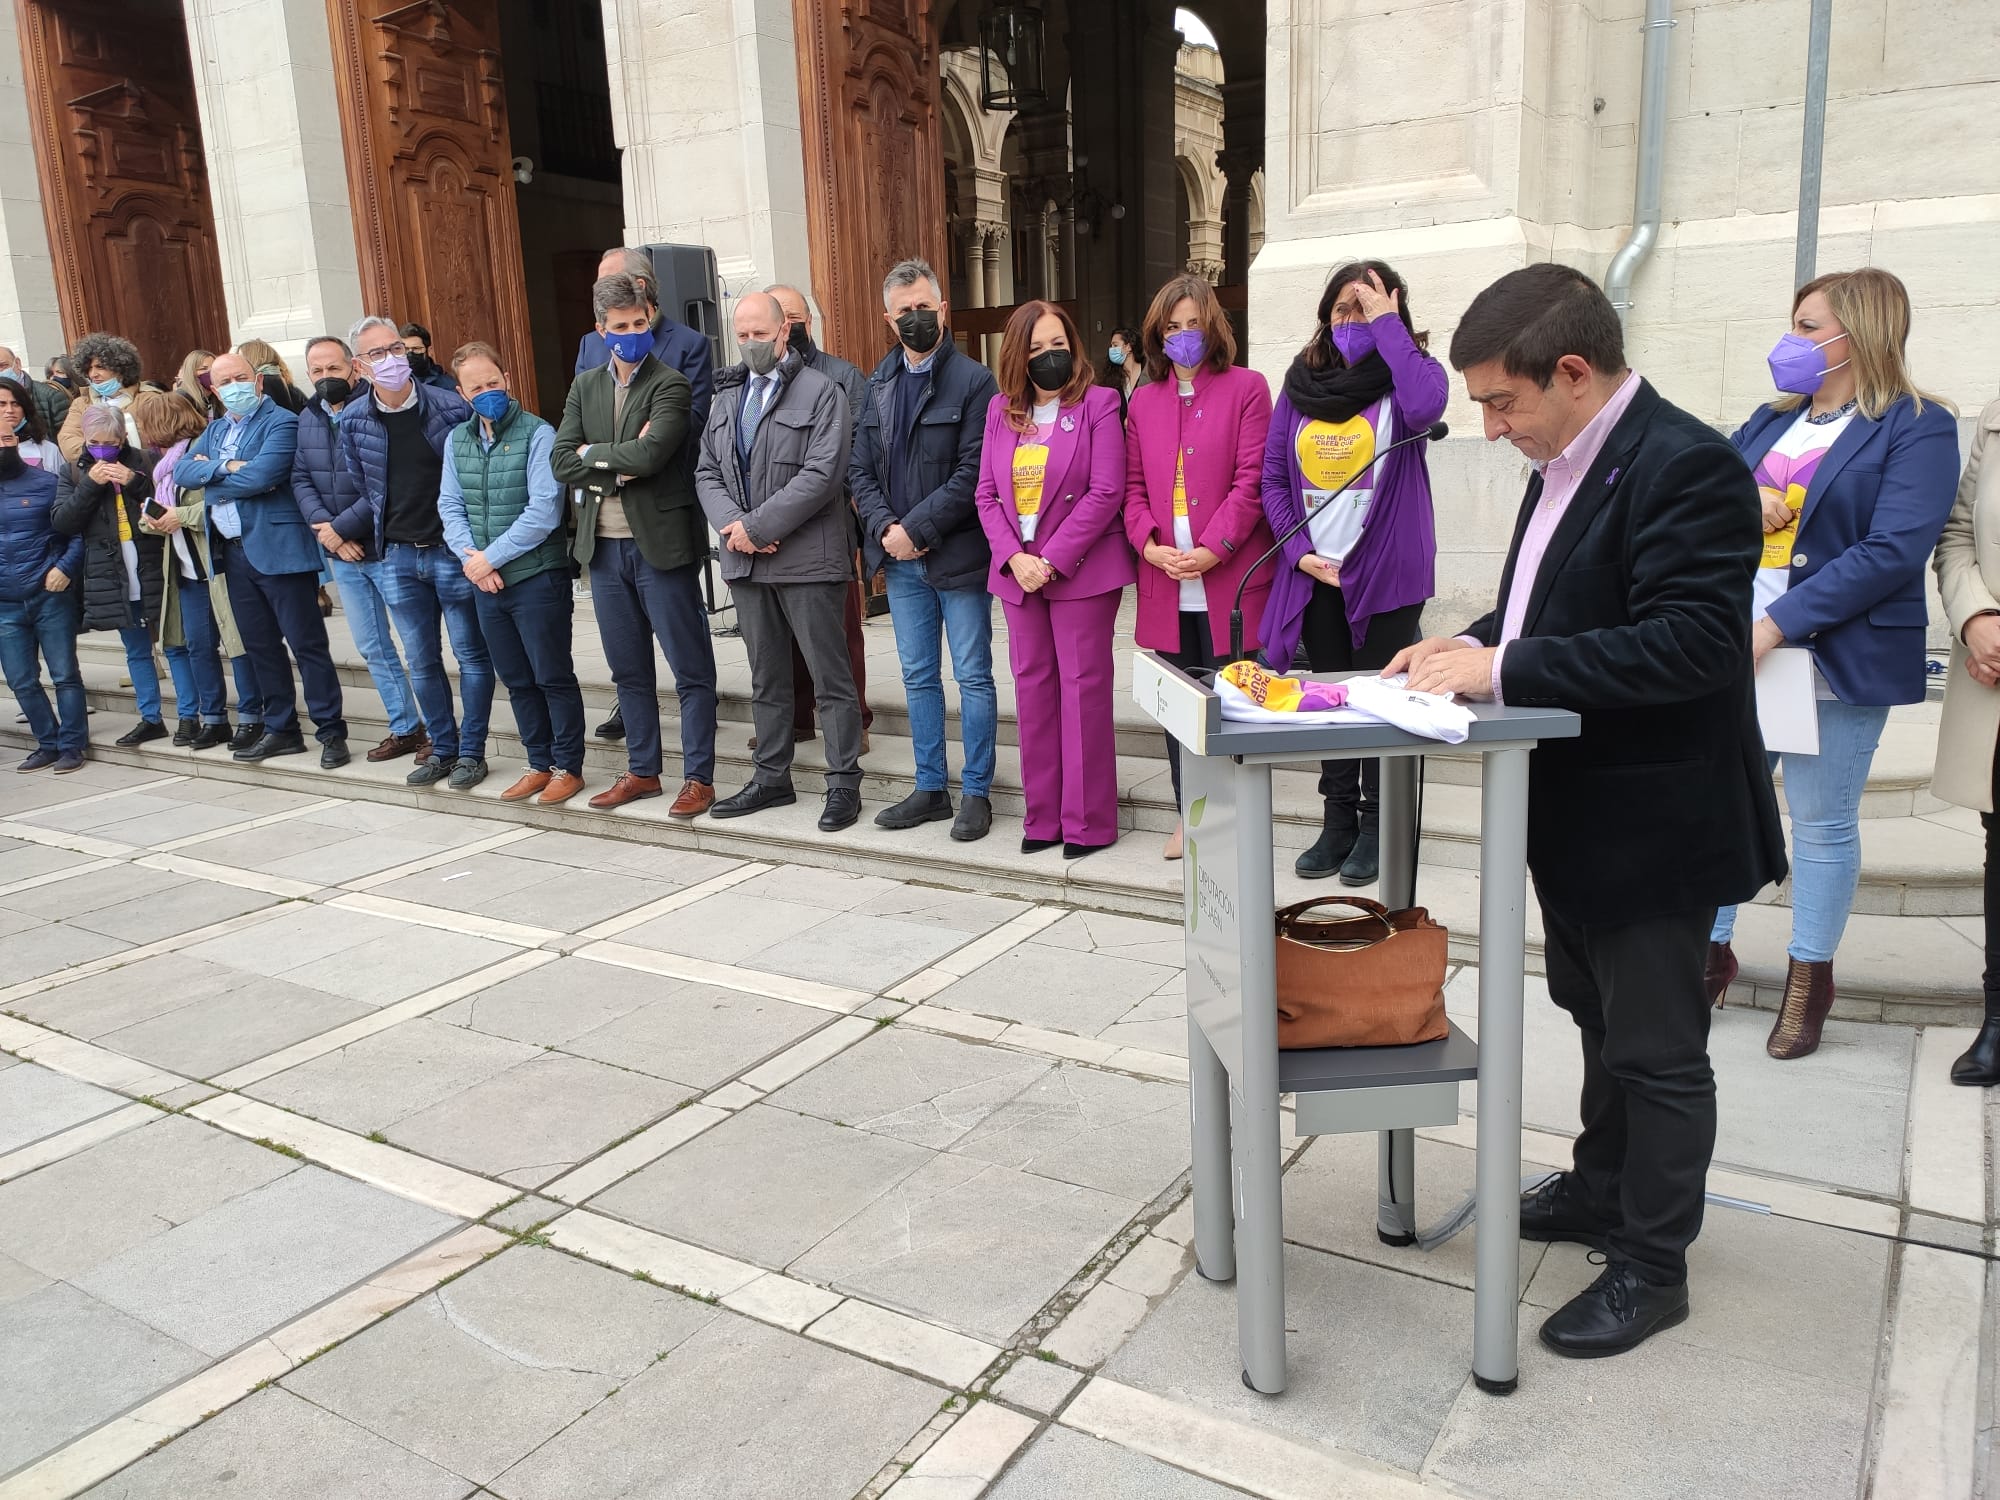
x: 42, y: 628
x: 423, y: 586
x: 636, y: 604
x: 924, y: 617
x: 1823, y: 796
x: 197, y: 665
x: 366, y: 606
x: 527, y: 629
x: 139, y: 664
x: 249, y: 702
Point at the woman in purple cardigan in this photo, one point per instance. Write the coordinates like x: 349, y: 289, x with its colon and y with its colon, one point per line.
x: 1352, y: 586
x: 1051, y: 485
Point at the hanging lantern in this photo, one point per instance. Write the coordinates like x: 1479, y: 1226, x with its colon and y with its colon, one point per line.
x: 1010, y: 58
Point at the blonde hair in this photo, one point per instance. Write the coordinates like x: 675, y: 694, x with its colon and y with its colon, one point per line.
x: 263, y: 358
x: 166, y: 417
x: 1873, y: 307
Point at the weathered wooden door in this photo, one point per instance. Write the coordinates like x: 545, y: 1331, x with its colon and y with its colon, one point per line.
x: 124, y: 190
x: 868, y: 102
x: 423, y: 113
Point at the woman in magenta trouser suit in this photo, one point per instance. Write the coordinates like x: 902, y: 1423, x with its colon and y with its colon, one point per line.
x: 1051, y: 486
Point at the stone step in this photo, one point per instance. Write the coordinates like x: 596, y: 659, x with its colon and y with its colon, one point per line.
x: 1911, y: 969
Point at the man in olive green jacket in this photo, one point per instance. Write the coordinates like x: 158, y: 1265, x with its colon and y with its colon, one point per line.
x: 643, y: 537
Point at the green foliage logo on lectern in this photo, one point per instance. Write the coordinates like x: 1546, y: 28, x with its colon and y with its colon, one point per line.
x: 1195, y: 809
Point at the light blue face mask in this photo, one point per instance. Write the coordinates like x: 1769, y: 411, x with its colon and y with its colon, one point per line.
x: 239, y: 397
x: 106, y: 389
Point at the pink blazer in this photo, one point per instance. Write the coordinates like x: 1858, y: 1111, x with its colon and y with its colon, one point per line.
x: 1081, y: 493
x: 1226, y: 421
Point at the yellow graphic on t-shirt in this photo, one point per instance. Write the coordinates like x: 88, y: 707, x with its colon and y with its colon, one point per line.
x: 1180, y: 486
x: 124, y: 521
x: 1778, y: 544
x: 1031, y: 462
x: 1331, y: 453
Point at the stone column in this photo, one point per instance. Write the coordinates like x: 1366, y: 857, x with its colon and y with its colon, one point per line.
x: 30, y: 319
x: 705, y: 105
x: 277, y: 172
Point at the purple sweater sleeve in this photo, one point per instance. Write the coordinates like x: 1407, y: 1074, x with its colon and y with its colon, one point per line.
x: 1422, y: 388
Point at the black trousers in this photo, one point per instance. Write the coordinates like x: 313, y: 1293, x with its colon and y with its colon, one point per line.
x: 275, y: 610
x: 1197, y: 653
x: 1635, y: 993
x: 1991, y: 823
x: 1352, y: 788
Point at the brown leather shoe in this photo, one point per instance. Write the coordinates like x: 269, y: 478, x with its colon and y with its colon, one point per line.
x: 1803, y: 1011
x: 398, y: 745
x: 627, y: 788
x: 526, y: 787
x: 1719, y: 974
x: 695, y: 799
x: 562, y: 786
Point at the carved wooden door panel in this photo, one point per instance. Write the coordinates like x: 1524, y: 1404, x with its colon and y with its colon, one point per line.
x: 423, y: 114
x: 124, y: 189
x: 868, y: 101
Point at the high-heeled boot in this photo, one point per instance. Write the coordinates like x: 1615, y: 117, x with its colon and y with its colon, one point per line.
x: 1803, y: 1011
x: 1720, y: 974
x: 1980, y: 1064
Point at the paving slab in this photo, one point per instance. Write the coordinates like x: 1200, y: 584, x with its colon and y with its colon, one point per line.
x: 44, y: 948
x: 765, y: 1185
x: 1097, y: 1130
x: 740, y: 1410
x: 273, y: 1446
x: 1063, y: 1465
x: 74, y: 1362
x: 189, y: 905
x: 130, y: 993
x: 385, y: 972
x: 497, y: 884
x: 17, y: 1280
x: 699, y: 1035
x: 865, y: 953
x: 916, y: 1086
x: 370, y: 1084
x: 81, y: 895
x: 665, y: 869
x: 481, y: 1372
x: 251, y: 1020
x: 24, y: 861
x: 77, y: 1213
x: 725, y: 927
x: 1374, y: 1359
x: 305, y: 933
x: 976, y: 1247
x: 36, y: 1102
x: 1117, y: 937
x: 1062, y: 989
x: 263, y: 1257
x: 961, y: 911
x: 535, y: 1121
x: 547, y: 1006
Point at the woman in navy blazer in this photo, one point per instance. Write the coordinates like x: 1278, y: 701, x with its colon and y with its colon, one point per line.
x: 1051, y: 488
x: 1856, y: 468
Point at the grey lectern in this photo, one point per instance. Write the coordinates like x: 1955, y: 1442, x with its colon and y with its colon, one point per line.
x: 1235, y: 1070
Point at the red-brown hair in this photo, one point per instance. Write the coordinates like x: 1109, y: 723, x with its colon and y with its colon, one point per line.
x: 1015, y: 383
x: 1218, y: 335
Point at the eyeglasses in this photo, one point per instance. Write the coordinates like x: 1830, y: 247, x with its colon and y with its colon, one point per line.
x: 368, y: 357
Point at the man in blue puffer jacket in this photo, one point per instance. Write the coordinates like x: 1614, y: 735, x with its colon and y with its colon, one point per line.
x: 40, y: 611
x: 393, y: 442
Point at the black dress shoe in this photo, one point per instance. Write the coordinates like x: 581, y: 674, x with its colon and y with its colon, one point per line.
x: 210, y: 736
x: 613, y: 728
x: 141, y: 733
x: 1980, y: 1064
x: 1557, y: 1210
x: 1036, y: 846
x: 1364, y: 861
x: 756, y: 797
x: 247, y: 734
x: 1328, y: 853
x: 289, y: 742
x: 333, y: 755
x: 914, y: 810
x: 1077, y: 851
x: 1618, y: 1311
x: 843, y: 810
x: 974, y: 820
x: 184, y: 732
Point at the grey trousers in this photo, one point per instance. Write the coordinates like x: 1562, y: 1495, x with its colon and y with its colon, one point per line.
x: 772, y: 616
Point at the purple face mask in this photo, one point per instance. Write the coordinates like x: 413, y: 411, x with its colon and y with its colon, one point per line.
x: 1798, y: 365
x: 102, y: 451
x: 1186, y: 347
x: 1355, y: 341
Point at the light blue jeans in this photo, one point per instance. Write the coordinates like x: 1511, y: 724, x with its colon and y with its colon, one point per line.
x: 1823, y: 796
x: 924, y: 617
x: 139, y: 665
x: 367, y: 611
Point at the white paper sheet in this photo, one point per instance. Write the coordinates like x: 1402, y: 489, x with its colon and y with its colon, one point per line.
x: 1787, y: 701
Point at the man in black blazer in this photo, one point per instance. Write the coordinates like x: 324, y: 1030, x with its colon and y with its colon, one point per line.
x: 1626, y: 597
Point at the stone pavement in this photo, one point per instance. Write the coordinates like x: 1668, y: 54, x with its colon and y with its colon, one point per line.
x: 355, y: 1150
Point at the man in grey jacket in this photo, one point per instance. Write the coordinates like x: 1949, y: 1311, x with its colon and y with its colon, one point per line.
x: 771, y: 480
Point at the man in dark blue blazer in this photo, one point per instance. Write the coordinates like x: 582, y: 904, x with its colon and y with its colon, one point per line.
x: 268, y: 559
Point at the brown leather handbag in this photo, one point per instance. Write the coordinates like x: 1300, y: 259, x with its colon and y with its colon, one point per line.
x: 1372, y: 979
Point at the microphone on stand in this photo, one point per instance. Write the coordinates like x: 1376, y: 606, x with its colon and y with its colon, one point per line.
x: 1433, y: 433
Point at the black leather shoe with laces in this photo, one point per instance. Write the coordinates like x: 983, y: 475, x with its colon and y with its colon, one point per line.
x: 1558, y: 1210
x: 1618, y: 1311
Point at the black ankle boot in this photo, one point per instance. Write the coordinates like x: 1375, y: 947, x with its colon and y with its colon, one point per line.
x: 1328, y: 853
x: 1980, y: 1064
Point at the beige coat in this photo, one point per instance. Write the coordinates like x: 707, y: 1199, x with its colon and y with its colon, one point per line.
x: 1968, y: 570
x: 190, y: 512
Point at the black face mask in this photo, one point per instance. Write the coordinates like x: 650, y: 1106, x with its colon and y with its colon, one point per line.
x: 800, y: 341
x: 1050, y: 370
x: 335, y: 389
x: 918, y: 329
x: 11, y: 466
x: 420, y: 364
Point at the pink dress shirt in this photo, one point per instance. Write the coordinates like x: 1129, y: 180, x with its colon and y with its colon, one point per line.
x: 1560, y: 477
